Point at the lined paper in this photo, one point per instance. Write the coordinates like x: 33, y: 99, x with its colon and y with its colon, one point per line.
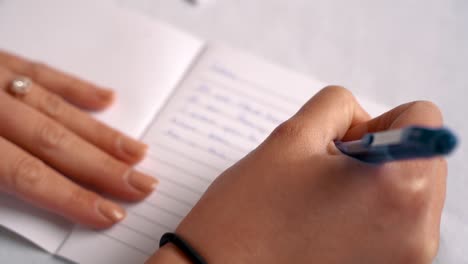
x: 219, y: 113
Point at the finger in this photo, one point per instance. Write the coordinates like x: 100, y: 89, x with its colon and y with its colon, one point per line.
x: 436, y: 204
x: 81, y: 123
x: 74, y: 90
x: 420, y: 113
x: 29, y: 179
x: 328, y: 115
x: 418, y: 186
x: 71, y: 155
x: 423, y: 178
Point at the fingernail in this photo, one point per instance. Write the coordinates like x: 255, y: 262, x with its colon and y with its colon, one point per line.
x: 141, y: 182
x: 105, y: 94
x: 111, y: 211
x: 133, y: 148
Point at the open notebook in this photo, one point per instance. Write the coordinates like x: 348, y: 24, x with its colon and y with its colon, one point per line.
x: 200, y: 107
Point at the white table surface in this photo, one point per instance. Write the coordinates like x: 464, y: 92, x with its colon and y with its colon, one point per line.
x: 392, y: 51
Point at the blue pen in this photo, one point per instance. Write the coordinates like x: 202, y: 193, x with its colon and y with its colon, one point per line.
x: 407, y: 143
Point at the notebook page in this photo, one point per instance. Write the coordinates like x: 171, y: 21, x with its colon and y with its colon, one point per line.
x: 142, y: 60
x: 225, y: 107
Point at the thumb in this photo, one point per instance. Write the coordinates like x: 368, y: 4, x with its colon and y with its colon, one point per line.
x: 329, y: 114
x: 421, y: 113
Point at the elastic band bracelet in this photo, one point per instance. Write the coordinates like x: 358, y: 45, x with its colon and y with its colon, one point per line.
x: 183, y: 246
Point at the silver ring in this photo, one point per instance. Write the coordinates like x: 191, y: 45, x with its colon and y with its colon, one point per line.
x: 21, y: 85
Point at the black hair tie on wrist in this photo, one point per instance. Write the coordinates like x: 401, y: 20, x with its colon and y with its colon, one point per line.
x: 183, y: 246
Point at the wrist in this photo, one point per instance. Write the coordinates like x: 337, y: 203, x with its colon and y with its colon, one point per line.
x: 169, y: 254
x: 213, y: 242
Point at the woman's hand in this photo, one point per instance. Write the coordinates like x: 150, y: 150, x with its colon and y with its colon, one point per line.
x: 296, y: 199
x: 48, y: 145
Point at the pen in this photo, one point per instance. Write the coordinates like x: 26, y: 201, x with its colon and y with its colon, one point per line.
x: 400, y: 144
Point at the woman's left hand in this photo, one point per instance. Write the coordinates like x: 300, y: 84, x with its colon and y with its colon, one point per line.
x: 48, y: 146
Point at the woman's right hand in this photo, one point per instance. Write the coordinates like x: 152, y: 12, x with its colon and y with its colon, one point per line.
x: 48, y: 146
x: 298, y: 199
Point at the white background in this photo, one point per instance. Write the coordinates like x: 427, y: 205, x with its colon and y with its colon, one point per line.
x: 391, y: 51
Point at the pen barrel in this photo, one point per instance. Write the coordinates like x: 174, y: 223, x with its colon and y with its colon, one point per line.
x: 409, y: 143
x: 394, y: 152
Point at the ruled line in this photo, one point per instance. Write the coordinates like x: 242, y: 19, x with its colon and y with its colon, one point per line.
x: 122, y: 224
x: 154, y: 205
x: 239, y: 120
x: 282, y: 97
x: 183, y: 186
x: 247, y: 82
x: 177, y: 199
x: 150, y: 220
x: 198, y: 113
x: 179, y: 153
x: 225, y: 143
x: 208, y: 108
x: 210, y: 150
x: 123, y: 242
x: 180, y: 169
x: 219, y: 85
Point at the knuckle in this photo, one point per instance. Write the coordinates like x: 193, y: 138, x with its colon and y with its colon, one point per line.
x: 52, y: 105
x: 109, y: 166
x: 74, y: 83
x: 414, y: 198
x: 429, y: 108
x: 4, y: 71
x: 408, y: 190
x: 5, y: 79
x: 51, y: 136
x: 33, y: 69
x: 81, y: 197
x: 114, y: 138
x: 27, y: 174
x: 425, y: 104
x: 288, y: 130
x: 109, y: 162
x: 117, y: 167
x: 339, y: 92
x: 416, y: 193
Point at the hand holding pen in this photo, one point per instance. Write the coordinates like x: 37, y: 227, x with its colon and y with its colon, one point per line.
x: 298, y: 199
